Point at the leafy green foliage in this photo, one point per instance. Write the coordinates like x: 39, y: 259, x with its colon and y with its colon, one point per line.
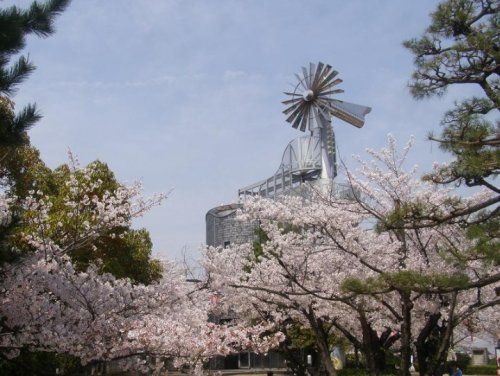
x: 261, y: 238
x: 472, y: 139
x: 485, y: 233
x: 122, y: 251
x: 464, y: 363
x: 463, y: 360
x: 20, y: 168
x: 481, y: 370
x: 8, y: 251
x: 406, y: 280
x: 300, y: 336
x: 361, y: 372
x: 414, y: 281
x: 126, y: 255
x: 364, y: 286
x: 460, y: 46
x: 43, y: 364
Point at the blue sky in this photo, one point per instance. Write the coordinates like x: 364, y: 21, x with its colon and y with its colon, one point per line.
x: 186, y: 94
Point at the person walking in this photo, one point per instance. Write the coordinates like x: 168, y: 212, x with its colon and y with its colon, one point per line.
x: 455, y: 370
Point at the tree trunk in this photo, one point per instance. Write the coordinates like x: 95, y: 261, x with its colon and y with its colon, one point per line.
x: 368, y: 346
x: 380, y: 359
x: 429, y: 359
x: 406, y: 334
x: 375, y: 355
x: 434, y: 341
x: 374, y: 347
x: 321, y: 339
x: 324, y: 353
x: 446, y: 332
x: 425, y: 344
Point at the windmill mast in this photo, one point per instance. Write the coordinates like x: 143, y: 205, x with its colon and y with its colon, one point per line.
x: 323, y: 130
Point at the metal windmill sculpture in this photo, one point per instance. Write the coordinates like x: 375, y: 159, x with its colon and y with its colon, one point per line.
x: 311, y: 106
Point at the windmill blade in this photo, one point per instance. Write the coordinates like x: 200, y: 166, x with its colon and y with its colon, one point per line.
x: 293, y: 94
x: 288, y: 101
x: 296, y: 111
x: 329, y: 85
x: 352, y: 113
x: 322, y: 77
x: 299, y: 118
x: 312, y: 72
x: 292, y: 108
x: 325, y: 72
x: 327, y: 80
x: 305, y: 119
x: 358, y: 109
x: 326, y: 93
x: 306, y: 77
x: 294, y: 116
x: 301, y: 82
x: 317, y: 75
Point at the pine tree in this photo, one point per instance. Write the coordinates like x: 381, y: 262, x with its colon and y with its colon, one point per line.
x: 461, y: 46
x: 15, y: 25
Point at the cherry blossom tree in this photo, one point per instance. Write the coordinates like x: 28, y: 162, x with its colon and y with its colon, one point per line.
x: 334, y: 263
x: 48, y: 304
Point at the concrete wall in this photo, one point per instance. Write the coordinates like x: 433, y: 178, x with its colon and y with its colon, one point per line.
x: 223, y: 227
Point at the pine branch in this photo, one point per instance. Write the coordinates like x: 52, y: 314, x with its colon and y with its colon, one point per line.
x: 26, y: 118
x: 15, y: 25
x: 13, y: 133
x: 12, y: 77
x: 485, y: 142
x: 39, y: 19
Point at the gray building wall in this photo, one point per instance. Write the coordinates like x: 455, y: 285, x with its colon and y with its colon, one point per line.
x: 223, y: 228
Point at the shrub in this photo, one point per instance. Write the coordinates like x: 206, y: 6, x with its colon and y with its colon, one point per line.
x: 481, y: 370
x: 360, y: 372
